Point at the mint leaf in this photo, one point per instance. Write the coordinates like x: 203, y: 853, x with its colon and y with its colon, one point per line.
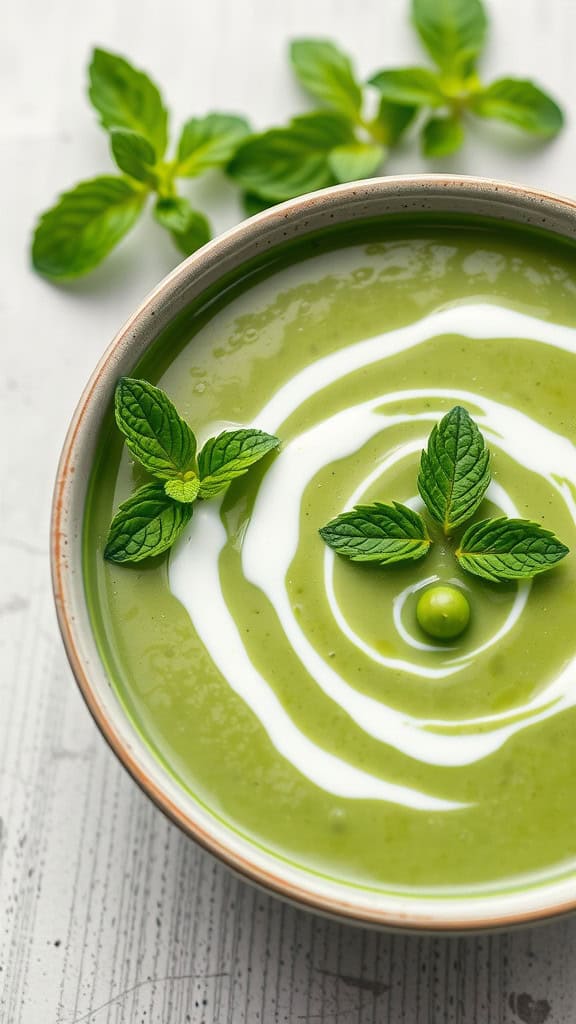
x: 183, y: 490
x: 230, y: 455
x: 453, y: 32
x: 327, y: 74
x: 412, y: 86
x: 134, y: 155
x: 521, y: 103
x: 454, y: 470
x: 145, y: 525
x: 209, y: 141
x: 442, y: 136
x: 127, y: 98
x: 378, y: 533
x: 76, y: 234
x: 357, y: 160
x: 391, y: 121
x: 284, y: 162
x: 155, y: 434
x: 509, y: 549
x: 189, y: 228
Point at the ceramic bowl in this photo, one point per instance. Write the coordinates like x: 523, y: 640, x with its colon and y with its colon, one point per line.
x: 335, y: 206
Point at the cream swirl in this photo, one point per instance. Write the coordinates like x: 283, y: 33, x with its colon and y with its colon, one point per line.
x: 193, y: 570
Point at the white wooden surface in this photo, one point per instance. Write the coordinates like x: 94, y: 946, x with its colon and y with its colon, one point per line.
x: 107, y: 913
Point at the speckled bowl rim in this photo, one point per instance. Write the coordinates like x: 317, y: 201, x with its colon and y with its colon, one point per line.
x: 446, y: 194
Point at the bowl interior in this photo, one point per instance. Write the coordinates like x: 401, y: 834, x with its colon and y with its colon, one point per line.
x: 208, y: 273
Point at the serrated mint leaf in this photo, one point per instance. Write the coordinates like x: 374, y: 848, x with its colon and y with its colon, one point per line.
x: 76, y: 234
x: 378, y: 533
x: 185, y: 490
x: 357, y: 160
x: 442, y: 136
x: 230, y: 455
x: 520, y: 103
x: 453, y: 32
x: 127, y: 98
x: 155, y: 433
x: 391, y: 121
x: 417, y: 87
x: 509, y: 549
x: 454, y: 470
x: 189, y: 228
x: 145, y: 525
x: 327, y: 74
x: 285, y: 162
x: 209, y: 141
x: 134, y: 155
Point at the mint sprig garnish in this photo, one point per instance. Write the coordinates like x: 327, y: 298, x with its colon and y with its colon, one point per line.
x: 453, y: 479
x: 334, y: 144
x: 342, y: 140
x: 454, y: 470
x: 151, y: 520
x: 378, y: 533
x: 89, y: 220
x: 454, y: 33
x: 509, y: 549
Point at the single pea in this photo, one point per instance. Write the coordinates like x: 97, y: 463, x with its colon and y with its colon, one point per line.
x: 443, y: 611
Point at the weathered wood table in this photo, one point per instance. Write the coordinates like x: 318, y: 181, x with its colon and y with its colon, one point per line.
x: 107, y: 913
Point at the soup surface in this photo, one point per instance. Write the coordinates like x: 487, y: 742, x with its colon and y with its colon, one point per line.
x: 293, y: 693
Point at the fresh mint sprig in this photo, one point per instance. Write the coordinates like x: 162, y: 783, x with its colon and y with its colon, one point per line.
x: 91, y: 219
x: 312, y: 151
x: 151, y: 520
x: 346, y: 138
x: 453, y: 478
x: 337, y: 143
x: 454, y: 33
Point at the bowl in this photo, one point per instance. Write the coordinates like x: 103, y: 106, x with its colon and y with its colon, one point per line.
x: 345, y: 204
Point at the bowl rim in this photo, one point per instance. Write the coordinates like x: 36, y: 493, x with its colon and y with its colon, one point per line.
x: 529, y: 904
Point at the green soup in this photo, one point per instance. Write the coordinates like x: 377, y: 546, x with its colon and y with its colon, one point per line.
x: 293, y: 693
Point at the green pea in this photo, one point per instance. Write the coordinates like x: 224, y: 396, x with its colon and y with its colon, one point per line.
x: 443, y: 611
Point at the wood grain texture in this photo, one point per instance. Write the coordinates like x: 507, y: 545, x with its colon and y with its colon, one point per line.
x: 107, y: 914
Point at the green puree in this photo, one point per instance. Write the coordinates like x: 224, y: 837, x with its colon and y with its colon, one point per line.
x: 221, y: 363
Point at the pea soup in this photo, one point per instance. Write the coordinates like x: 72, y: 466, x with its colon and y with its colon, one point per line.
x: 294, y: 693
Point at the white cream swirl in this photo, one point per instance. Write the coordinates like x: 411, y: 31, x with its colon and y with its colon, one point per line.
x: 194, y: 574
